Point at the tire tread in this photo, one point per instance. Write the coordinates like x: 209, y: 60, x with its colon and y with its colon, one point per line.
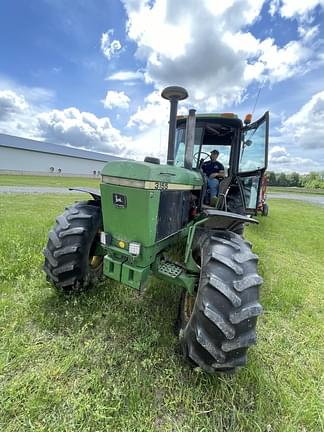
x: 222, y: 324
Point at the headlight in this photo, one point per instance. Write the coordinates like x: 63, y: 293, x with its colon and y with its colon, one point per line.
x: 134, y: 248
x: 103, y: 237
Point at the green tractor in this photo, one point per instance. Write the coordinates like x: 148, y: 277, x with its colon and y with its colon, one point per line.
x: 146, y: 210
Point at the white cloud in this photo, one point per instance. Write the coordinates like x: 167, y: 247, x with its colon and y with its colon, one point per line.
x: 11, y: 103
x: 205, y: 46
x: 126, y: 76
x: 81, y: 129
x: 281, y: 160
x: 27, y: 114
x: 116, y: 99
x: 271, y: 62
x: 278, y: 154
x: 192, y: 51
x: 274, y: 7
x: 295, y: 8
x: 308, y: 33
x: 108, y: 46
x: 282, y: 63
x: 150, y: 142
x: 19, y: 106
x: 306, y: 126
x: 155, y: 111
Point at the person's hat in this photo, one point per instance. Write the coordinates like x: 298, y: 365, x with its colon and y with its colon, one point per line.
x: 215, y: 151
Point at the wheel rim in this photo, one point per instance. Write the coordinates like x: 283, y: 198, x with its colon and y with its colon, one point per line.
x: 95, y: 261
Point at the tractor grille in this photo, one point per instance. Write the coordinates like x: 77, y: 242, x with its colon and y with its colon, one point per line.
x: 174, y: 210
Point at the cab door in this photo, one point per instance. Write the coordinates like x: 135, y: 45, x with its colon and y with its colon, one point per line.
x: 253, y: 161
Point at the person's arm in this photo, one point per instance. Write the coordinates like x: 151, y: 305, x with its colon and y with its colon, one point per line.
x: 219, y: 174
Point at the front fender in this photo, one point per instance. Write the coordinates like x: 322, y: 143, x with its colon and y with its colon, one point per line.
x: 219, y: 219
x: 212, y: 220
x: 93, y: 192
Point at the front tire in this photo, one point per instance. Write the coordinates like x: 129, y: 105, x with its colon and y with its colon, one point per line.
x: 71, y: 262
x: 235, y: 205
x: 218, y: 323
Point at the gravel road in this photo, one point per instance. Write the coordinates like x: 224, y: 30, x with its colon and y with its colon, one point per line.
x: 34, y: 189
x: 315, y: 199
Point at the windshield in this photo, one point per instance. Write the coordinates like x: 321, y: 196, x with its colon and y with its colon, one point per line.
x: 224, y: 153
x: 207, y: 138
x: 180, y: 144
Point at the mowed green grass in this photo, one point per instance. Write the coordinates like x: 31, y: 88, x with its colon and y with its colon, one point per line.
x: 107, y: 360
x: 54, y: 181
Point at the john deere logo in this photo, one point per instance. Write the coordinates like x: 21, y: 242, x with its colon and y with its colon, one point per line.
x: 119, y: 200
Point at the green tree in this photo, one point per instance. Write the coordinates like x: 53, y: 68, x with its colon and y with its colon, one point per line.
x: 294, y: 179
x: 282, y: 180
x: 272, y: 178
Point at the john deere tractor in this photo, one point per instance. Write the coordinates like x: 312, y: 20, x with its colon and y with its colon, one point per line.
x: 145, y: 210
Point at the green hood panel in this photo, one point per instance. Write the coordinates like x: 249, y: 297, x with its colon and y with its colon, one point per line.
x: 152, y: 172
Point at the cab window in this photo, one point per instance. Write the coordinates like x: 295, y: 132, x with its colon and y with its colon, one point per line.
x: 252, y: 153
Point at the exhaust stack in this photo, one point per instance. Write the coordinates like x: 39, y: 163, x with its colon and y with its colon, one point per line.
x: 190, y: 138
x: 173, y: 94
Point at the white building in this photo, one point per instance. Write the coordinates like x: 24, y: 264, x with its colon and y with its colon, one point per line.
x: 26, y: 156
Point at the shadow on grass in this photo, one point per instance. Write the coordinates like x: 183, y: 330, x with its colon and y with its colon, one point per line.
x: 117, y: 308
x: 134, y: 333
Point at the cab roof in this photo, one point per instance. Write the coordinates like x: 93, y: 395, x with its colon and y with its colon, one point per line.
x: 228, y: 119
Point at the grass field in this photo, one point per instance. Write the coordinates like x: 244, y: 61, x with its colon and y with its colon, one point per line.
x: 107, y: 361
x: 25, y: 180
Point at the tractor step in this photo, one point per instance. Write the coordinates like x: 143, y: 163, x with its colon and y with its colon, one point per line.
x: 170, y: 269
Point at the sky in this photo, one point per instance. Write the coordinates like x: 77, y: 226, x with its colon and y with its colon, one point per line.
x: 89, y: 73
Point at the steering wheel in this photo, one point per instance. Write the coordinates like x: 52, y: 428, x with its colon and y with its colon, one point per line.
x: 195, y: 156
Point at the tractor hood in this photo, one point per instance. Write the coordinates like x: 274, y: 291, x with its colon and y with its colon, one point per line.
x: 145, y: 175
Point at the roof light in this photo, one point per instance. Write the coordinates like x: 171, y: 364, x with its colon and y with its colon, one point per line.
x: 248, y: 119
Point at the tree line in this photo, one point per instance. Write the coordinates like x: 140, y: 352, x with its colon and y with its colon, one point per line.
x: 313, y: 180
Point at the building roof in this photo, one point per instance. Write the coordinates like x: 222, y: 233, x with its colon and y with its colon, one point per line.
x: 44, y: 147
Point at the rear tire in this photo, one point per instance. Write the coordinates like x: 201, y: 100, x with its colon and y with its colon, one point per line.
x: 217, y: 325
x: 265, y: 209
x: 70, y: 260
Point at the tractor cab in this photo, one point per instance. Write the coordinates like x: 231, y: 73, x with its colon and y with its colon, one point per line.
x: 242, y: 152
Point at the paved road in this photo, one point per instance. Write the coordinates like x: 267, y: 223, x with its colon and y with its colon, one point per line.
x: 315, y: 199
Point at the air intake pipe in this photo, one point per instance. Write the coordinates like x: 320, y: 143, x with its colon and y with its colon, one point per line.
x: 173, y: 94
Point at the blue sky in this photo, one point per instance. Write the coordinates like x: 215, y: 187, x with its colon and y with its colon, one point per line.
x: 89, y: 73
